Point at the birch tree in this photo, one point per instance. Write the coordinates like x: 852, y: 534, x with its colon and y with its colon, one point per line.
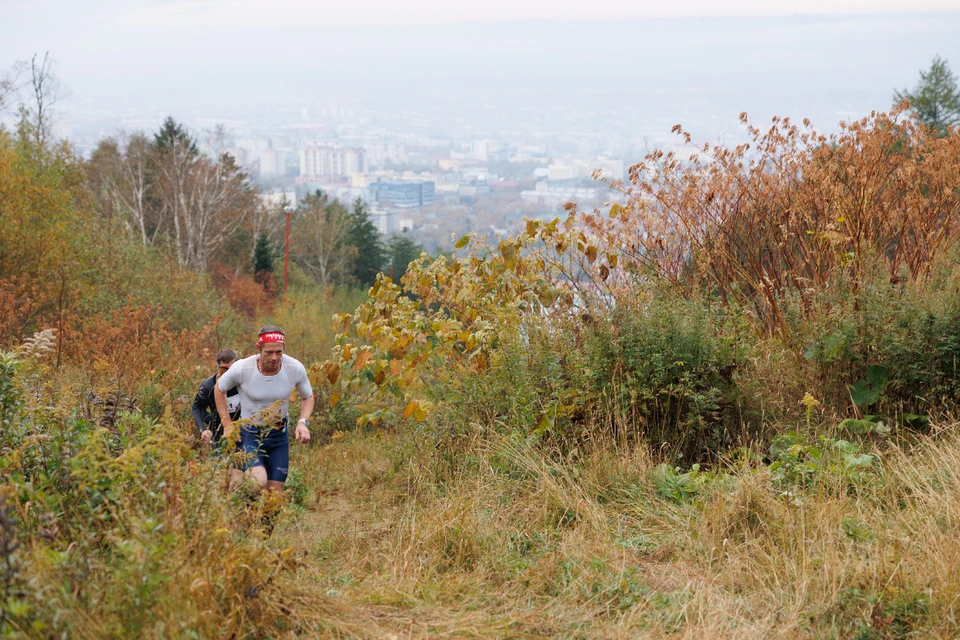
x: 217, y: 200
x: 320, y: 239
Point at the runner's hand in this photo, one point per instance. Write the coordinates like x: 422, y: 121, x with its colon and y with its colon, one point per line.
x: 302, y: 434
x: 206, y: 437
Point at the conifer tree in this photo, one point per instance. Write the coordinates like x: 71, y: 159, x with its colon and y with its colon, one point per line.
x: 173, y: 133
x: 402, y: 251
x: 366, y: 239
x: 935, y: 98
x: 263, y: 256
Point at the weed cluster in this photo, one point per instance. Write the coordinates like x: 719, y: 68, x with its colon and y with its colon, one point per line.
x: 118, y: 528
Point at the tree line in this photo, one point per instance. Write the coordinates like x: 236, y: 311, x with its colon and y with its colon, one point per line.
x: 169, y: 189
x: 173, y: 190
x: 184, y: 194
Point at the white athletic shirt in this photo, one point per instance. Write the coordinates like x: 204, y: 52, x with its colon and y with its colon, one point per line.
x: 265, y: 400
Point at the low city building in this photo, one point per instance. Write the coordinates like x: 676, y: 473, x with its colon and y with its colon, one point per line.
x: 402, y: 194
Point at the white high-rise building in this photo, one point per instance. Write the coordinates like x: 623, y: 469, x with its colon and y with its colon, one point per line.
x: 318, y: 162
x: 480, y: 149
x: 380, y: 153
x: 272, y: 162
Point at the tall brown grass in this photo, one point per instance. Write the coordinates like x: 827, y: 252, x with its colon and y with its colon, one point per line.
x: 520, y: 544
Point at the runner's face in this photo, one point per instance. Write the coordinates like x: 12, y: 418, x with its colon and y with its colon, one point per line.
x: 223, y: 366
x: 270, y: 355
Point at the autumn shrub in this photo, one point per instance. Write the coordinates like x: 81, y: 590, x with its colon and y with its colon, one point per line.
x: 124, y: 530
x: 249, y: 297
x: 790, y: 211
x: 795, y: 263
x: 666, y: 369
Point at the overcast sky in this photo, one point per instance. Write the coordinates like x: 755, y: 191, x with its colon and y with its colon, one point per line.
x: 385, y: 12
x: 27, y: 24
x: 211, y: 55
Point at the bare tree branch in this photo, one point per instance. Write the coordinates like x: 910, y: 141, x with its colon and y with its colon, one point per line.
x: 46, y: 91
x: 10, y: 84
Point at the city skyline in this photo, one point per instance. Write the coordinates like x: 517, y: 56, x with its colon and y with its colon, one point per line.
x: 496, y: 119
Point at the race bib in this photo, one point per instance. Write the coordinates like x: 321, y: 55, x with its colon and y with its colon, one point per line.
x: 233, y: 403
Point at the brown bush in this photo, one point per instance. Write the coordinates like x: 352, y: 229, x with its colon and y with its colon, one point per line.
x: 792, y: 210
x: 249, y: 297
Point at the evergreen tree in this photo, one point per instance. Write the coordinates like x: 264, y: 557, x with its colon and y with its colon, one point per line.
x: 935, y: 98
x: 172, y: 132
x: 263, y: 257
x: 366, y: 239
x: 402, y: 251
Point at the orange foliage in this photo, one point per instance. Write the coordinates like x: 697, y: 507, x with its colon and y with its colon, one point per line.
x: 793, y: 210
x: 20, y: 303
x: 249, y: 297
x: 132, y: 341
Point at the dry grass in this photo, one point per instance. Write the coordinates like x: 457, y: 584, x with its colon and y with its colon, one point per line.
x: 518, y: 545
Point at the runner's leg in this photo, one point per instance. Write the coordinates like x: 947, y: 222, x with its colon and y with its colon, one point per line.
x: 251, y: 443
x: 277, y: 459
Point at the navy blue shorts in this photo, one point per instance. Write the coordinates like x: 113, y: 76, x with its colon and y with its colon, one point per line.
x: 267, y: 449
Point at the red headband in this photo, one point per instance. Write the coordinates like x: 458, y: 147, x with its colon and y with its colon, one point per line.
x: 270, y: 336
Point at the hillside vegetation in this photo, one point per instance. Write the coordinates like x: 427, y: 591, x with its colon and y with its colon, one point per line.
x: 724, y: 408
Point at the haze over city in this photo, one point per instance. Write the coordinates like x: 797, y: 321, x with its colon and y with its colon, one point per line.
x: 508, y: 95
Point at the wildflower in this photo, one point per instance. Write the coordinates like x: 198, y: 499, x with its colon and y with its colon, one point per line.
x: 809, y: 401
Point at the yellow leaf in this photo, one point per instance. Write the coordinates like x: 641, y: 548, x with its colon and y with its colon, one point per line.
x: 333, y: 372
x: 409, y: 410
x: 462, y: 242
x: 341, y: 322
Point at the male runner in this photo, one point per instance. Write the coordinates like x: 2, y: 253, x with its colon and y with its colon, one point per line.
x: 204, y: 406
x: 265, y: 382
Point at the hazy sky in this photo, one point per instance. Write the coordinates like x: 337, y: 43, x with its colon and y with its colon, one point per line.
x: 385, y: 12
x: 31, y: 24
x: 211, y: 57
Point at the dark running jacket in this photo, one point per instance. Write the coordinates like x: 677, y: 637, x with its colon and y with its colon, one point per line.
x: 205, y: 408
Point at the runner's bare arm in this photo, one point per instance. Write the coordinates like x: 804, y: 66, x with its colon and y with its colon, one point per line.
x: 302, y: 433
x: 221, y: 399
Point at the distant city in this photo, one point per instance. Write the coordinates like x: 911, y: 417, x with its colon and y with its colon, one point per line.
x: 432, y: 187
x: 447, y: 129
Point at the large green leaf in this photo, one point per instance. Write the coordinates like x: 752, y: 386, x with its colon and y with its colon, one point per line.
x: 867, y: 390
x: 863, y: 394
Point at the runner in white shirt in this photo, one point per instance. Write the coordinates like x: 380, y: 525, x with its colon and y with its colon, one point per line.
x: 265, y: 382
